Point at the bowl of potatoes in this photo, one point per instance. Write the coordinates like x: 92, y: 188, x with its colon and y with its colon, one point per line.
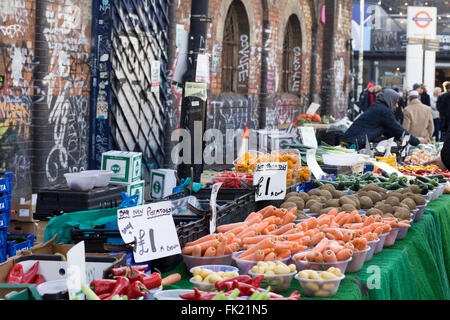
x: 205, y: 277
x: 320, y: 284
x: 277, y: 275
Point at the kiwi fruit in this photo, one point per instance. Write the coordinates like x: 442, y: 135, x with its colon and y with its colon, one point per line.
x: 402, y: 213
x: 366, y: 202
x: 419, y: 199
x: 393, y: 201
x: 346, y: 200
x: 374, y: 211
x: 315, y: 207
x: 309, y: 203
x: 414, y: 188
x: 375, y: 196
x: 410, y: 203
x: 288, y: 205
x: 332, y: 203
x: 347, y: 207
x: 304, y: 196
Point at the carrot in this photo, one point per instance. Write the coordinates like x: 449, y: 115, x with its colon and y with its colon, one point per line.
x: 321, y: 245
x: 212, y: 236
x: 368, y: 221
x: 283, y: 229
x: 366, y: 229
x: 329, y: 256
x: 246, y: 233
x: 281, y: 254
x: 221, y: 248
x: 347, y: 236
x: 333, y: 212
x: 378, y: 230
x: 227, y: 227
x: 270, y: 256
x: 362, y: 244
x: 290, y: 237
x: 311, y: 222
x: 171, y: 279
x: 310, y: 256
x: 330, y: 236
x: 210, y: 252
x: 318, y: 257
x: 403, y: 225
x: 259, y: 255
x: 358, y: 219
x: 236, y: 230
x: 196, y: 251
x: 344, y: 254
x: 323, y: 219
x: 368, y: 236
x: 271, y: 219
x: 306, y: 240
x: 301, y: 255
x: 340, y: 215
x: 315, y: 239
x: 256, y: 239
x: 232, y: 247
x: 293, y: 231
x: 266, y: 243
x: 261, y: 226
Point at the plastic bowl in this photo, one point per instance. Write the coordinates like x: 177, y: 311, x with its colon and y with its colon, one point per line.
x: 216, y: 268
x: 372, y: 245
x: 414, y: 213
x: 173, y: 294
x: 320, y: 288
x: 103, y: 177
x: 203, y: 286
x: 191, y: 261
x: 80, y: 181
x: 419, y: 214
x: 245, y: 265
x: 380, y: 244
x: 52, y: 287
x: 358, y: 259
x: 403, y: 231
x: 278, y: 282
x: 318, y: 266
x: 390, y: 239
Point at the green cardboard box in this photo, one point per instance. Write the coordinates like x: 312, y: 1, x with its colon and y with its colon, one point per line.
x: 127, y: 166
x: 137, y: 187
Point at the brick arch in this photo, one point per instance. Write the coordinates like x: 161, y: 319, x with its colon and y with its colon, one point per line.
x: 218, y: 11
x: 302, y: 10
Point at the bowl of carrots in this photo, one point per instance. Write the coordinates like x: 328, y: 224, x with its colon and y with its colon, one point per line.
x: 390, y: 239
x: 380, y: 244
x: 358, y: 259
x: 372, y: 245
x: 403, y: 231
x: 421, y: 209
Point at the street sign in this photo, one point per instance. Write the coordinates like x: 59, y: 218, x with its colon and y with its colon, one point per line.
x: 432, y: 45
x: 414, y: 41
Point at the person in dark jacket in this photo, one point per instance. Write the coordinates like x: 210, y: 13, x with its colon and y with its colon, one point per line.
x: 367, y: 98
x: 424, y: 96
x: 377, y: 123
x: 401, y: 105
x: 443, y: 106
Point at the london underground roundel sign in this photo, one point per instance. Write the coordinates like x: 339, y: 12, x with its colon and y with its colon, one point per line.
x: 422, y: 19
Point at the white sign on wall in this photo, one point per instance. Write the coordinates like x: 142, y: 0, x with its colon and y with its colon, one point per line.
x: 422, y: 21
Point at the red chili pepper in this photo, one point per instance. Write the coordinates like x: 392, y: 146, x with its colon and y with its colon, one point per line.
x: 103, y: 296
x: 39, y: 279
x: 245, y: 288
x: 220, y: 285
x: 256, y: 282
x: 123, y: 271
x: 120, y: 287
x: 192, y: 295
x: 151, y: 281
x: 29, y: 276
x: 102, y: 286
x: 15, y: 274
x: 135, y: 290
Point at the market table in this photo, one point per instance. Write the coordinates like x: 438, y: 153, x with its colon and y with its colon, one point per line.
x: 415, y: 267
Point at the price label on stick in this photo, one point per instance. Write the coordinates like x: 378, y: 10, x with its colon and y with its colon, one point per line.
x: 270, y: 180
x: 152, y: 229
x: 313, y: 108
x: 212, y: 204
x: 76, y: 271
x: 311, y: 161
x: 309, y: 137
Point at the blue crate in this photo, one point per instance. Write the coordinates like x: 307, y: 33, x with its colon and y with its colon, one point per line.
x: 12, y: 247
x: 5, y: 202
x: 5, y: 216
x: 6, y: 182
x: 3, y: 237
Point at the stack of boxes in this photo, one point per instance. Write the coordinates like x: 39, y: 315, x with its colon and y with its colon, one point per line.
x: 127, y: 168
x: 5, y: 211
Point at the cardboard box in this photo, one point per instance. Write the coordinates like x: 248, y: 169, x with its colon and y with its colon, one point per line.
x: 22, y: 212
x: 127, y: 166
x: 162, y: 182
x: 54, y: 251
x: 134, y: 188
x: 36, y: 227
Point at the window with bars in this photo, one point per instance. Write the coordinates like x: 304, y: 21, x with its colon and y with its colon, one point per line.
x: 236, y: 50
x: 292, y: 57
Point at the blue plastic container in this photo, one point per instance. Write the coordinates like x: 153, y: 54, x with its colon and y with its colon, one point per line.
x: 12, y: 247
x: 5, y: 216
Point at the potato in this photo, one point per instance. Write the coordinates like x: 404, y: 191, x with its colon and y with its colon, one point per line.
x: 198, y: 278
x: 335, y: 271
x: 288, y: 205
x: 205, y: 272
x: 322, y: 293
x: 281, y: 269
x: 333, y: 203
x: 212, y: 278
x: 328, y: 286
x: 292, y: 267
x: 366, y: 202
x: 315, y: 207
x: 256, y: 269
x: 313, y: 274
x: 312, y: 286
x: 327, y: 275
x: 196, y: 271
x: 303, y: 275
x: 270, y: 272
x: 327, y: 194
x: 348, y: 207
x: 230, y: 274
x: 304, y: 196
x: 309, y: 203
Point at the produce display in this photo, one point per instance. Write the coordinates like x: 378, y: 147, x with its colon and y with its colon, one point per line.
x: 209, y: 276
x: 232, y: 179
x: 320, y: 284
x: 272, y: 268
x: 17, y: 275
x: 424, y: 171
x: 419, y: 157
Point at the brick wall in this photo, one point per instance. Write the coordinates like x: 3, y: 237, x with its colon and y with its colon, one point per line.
x: 45, y: 49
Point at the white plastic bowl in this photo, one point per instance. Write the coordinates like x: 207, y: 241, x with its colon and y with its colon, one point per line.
x: 246, y: 265
x: 52, y: 287
x: 372, y: 245
x: 203, y: 286
x: 358, y: 259
x: 103, y: 177
x: 216, y: 268
x: 192, y: 261
x: 171, y: 294
x: 403, y: 231
x: 419, y: 213
x: 80, y: 181
x: 380, y: 244
x: 390, y: 239
x: 318, y: 266
x: 320, y: 288
x: 278, y: 282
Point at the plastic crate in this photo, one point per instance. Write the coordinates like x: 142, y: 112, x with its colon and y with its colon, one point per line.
x: 13, y: 246
x: 19, y: 292
x: 5, y: 216
x: 5, y: 202
x: 6, y: 182
x: 60, y: 199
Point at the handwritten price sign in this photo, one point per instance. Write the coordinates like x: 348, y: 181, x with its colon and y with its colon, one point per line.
x: 152, y: 229
x: 270, y: 180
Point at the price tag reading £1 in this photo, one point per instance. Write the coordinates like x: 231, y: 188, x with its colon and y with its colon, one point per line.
x: 270, y: 180
x: 152, y: 229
